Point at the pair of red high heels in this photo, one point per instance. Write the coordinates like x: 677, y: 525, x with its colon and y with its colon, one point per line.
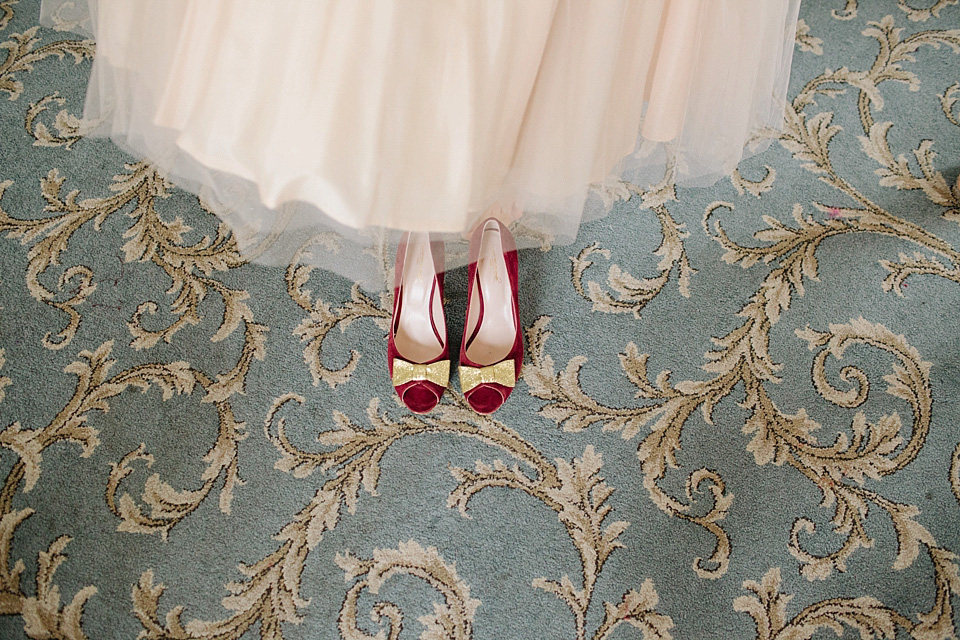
x: 491, y: 353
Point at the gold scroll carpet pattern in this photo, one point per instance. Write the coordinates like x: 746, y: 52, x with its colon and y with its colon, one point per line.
x: 737, y: 418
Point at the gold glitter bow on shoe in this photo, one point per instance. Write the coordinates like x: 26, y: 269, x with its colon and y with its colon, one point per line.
x: 436, y: 372
x: 502, y: 373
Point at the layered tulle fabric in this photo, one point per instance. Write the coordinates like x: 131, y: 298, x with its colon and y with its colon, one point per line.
x: 321, y: 130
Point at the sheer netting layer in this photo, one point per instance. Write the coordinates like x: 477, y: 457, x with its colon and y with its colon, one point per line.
x: 319, y: 131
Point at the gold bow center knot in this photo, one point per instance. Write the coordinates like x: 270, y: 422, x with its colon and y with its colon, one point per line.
x: 502, y: 373
x: 435, y: 372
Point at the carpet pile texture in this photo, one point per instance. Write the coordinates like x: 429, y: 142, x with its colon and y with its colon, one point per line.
x: 738, y: 414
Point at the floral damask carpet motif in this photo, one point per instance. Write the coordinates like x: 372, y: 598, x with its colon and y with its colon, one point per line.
x: 739, y: 415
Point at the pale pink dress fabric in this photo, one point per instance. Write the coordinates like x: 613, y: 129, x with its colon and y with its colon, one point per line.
x: 339, y: 123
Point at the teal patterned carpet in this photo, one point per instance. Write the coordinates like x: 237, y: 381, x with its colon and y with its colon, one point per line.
x: 739, y: 414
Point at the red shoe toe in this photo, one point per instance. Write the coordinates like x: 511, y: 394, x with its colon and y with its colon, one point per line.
x: 487, y: 398
x: 421, y: 396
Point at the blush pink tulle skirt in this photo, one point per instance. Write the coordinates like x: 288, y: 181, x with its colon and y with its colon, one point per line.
x: 321, y: 130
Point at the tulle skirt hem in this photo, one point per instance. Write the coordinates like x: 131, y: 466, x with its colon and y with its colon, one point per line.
x: 321, y: 131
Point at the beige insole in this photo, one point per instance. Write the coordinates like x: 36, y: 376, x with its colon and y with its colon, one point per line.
x: 414, y: 334
x: 495, y: 338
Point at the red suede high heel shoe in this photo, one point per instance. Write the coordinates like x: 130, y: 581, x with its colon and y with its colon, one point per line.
x: 491, y: 354
x: 418, y: 356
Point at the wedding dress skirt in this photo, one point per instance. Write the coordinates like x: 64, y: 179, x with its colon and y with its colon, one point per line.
x: 321, y: 130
